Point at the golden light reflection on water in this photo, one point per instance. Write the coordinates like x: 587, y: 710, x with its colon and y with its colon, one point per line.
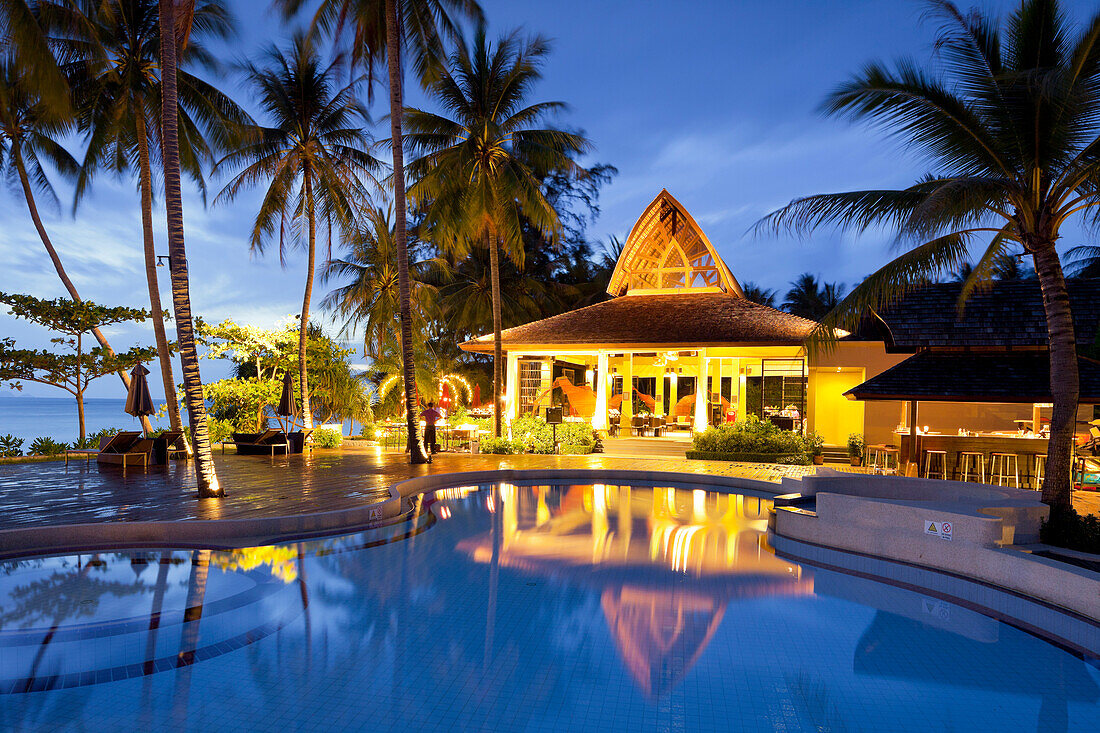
x: 641, y: 539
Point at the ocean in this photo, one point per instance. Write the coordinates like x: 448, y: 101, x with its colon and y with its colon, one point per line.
x: 55, y: 417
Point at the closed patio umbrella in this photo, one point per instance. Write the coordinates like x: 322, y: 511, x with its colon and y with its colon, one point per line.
x: 477, y: 396
x: 139, y: 402
x: 286, y: 402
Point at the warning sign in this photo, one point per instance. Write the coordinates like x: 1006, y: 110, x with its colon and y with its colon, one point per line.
x: 375, y: 513
x: 939, y: 529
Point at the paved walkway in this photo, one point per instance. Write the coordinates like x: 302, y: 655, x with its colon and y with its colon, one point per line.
x: 44, y: 494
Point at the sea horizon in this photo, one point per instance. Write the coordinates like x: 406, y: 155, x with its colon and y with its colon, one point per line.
x: 29, y: 417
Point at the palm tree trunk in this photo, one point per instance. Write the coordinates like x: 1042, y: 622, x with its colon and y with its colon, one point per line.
x: 494, y: 285
x: 28, y: 194
x: 151, y: 276
x: 303, y: 324
x: 1064, y: 379
x: 177, y: 256
x: 408, y: 368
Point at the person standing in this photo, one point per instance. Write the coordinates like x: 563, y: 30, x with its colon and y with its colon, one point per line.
x: 431, y: 417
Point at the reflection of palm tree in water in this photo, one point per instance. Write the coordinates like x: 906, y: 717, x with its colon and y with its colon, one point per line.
x: 61, y: 616
x: 189, y: 633
x: 154, y: 625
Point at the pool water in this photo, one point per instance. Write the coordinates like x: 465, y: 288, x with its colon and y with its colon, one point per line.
x: 516, y: 608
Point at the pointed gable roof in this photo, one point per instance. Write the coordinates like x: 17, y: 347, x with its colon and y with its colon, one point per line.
x: 667, y: 250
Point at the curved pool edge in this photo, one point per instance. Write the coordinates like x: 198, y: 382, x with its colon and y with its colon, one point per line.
x: 1072, y: 629
x: 214, y: 534
x: 235, y: 533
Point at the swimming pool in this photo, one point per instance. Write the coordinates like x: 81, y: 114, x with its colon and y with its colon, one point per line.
x: 516, y: 607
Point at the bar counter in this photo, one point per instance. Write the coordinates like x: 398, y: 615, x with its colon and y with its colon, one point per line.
x: 1025, y: 446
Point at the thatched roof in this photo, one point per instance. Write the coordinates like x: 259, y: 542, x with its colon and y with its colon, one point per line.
x: 679, y: 320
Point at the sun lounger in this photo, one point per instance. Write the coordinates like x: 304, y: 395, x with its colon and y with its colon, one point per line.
x: 174, y: 447
x: 299, y: 440
x: 257, y: 444
x: 124, y: 449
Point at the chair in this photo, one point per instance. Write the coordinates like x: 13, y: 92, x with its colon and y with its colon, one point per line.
x: 173, y: 444
x: 964, y: 465
x: 124, y: 448
x: 881, y: 455
x: 1003, y: 467
x: 935, y: 461
x: 638, y: 425
x: 255, y: 444
x: 1040, y: 469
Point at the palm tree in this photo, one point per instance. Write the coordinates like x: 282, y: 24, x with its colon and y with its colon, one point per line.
x: 391, y: 32
x: 178, y: 29
x: 759, y: 294
x: 479, y: 174
x: 1010, y: 125
x: 30, y: 56
x: 469, y: 297
x: 371, y: 296
x: 313, y: 156
x: 809, y: 299
x: 111, y: 56
x: 29, y: 130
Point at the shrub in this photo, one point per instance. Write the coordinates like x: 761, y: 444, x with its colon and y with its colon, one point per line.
x: 537, y: 436
x: 218, y: 430
x: 501, y: 446
x: 326, y: 438
x: 10, y: 446
x: 856, y: 445
x: 46, y: 446
x: 92, y: 440
x: 815, y: 444
x: 751, y: 435
x: 1066, y: 528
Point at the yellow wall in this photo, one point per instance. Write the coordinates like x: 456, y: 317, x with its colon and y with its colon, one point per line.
x: 833, y: 415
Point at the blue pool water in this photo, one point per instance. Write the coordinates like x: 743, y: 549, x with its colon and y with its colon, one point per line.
x: 516, y: 608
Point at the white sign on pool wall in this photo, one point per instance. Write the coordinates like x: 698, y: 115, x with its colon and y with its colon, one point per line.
x: 940, y: 529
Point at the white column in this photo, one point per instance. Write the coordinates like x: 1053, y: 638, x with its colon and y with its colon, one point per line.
x: 701, y: 405
x: 511, y: 381
x: 599, y: 418
x: 627, y: 409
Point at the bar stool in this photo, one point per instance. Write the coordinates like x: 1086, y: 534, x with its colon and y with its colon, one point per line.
x: 1007, y: 468
x: 879, y: 456
x: 964, y: 465
x: 935, y: 461
x: 1040, y: 468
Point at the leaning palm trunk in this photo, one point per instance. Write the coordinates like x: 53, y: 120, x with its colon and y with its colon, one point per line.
x: 28, y: 193
x: 408, y: 368
x: 165, y: 357
x: 1064, y: 377
x: 177, y: 257
x: 494, y: 285
x: 303, y: 325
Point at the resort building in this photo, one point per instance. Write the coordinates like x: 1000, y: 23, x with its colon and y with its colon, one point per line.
x: 680, y: 338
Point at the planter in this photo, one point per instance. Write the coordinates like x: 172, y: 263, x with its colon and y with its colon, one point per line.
x: 819, y: 460
x: 855, y: 460
x: 795, y: 459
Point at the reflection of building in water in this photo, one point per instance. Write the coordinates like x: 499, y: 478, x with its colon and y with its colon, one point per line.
x: 645, y: 540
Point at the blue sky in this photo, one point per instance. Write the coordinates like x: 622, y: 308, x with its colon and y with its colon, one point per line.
x: 715, y: 101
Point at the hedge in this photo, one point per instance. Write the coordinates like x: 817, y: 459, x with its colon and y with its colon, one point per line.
x: 791, y: 459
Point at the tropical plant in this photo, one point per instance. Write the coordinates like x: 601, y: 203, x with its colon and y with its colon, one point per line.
x: 29, y: 53
x: 242, y: 401
x: 758, y: 294
x: 170, y: 45
x: 10, y: 446
x: 29, y: 133
x: 46, y: 446
x: 329, y: 438
x: 810, y: 299
x: 478, y: 177
x: 856, y: 445
x: 313, y: 155
x: 753, y: 439
x: 93, y: 439
x: 1010, y: 124
x: 394, y: 32
x: 370, y: 298
x: 73, y: 368
x: 110, y: 52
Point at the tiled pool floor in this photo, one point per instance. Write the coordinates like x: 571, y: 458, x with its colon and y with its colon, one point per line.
x: 516, y: 608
